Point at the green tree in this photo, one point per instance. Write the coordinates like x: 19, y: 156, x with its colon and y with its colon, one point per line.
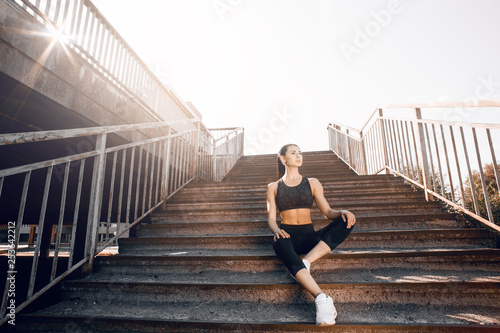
x: 491, y: 189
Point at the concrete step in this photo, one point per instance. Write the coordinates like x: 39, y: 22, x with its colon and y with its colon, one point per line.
x: 265, y: 169
x: 199, y: 202
x: 382, y: 240
x: 259, y: 190
x: 258, y: 211
x: 168, y: 227
x: 310, y: 164
x: 316, y: 172
x: 329, y: 192
x: 272, y: 158
x: 226, y: 301
x: 351, y: 181
x: 268, y: 177
x: 423, y: 266
x: 149, y: 319
x: 424, y: 293
x: 192, y: 194
x: 328, y: 182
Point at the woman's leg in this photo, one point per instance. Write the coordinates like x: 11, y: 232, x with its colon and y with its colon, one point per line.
x: 328, y: 238
x: 307, y: 281
x: 284, y: 249
x: 317, y: 252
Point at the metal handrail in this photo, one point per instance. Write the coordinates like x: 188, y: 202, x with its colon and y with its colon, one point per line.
x: 436, y: 156
x: 439, y: 105
x: 92, y: 38
x: 127, y: 183
x: 38, y: 136
x: 228, y: 148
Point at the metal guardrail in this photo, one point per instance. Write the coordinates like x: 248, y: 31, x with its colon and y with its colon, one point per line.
x: 108, y: 185
x: 446, y: 159
x: 228, y: 145
x: 81, y: 27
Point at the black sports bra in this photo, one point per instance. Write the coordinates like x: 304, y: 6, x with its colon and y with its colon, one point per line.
x: 299, y: 196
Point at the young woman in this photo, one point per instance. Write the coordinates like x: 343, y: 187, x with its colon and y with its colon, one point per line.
x: 293, y: 196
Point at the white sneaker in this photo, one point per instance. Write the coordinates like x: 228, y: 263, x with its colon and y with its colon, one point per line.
x: 308, y: 266
x: 325, y: 310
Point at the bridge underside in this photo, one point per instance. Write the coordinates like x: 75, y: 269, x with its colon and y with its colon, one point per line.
x: 23, y: 109
x: 46, y: 86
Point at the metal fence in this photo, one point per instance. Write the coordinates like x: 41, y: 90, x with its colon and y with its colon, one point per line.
x: 228, y: 142
x: 80, y: 26
x: 106, y: 187
x: 446, y: 159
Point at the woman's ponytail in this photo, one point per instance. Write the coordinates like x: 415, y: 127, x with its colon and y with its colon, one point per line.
x: 281, y: 169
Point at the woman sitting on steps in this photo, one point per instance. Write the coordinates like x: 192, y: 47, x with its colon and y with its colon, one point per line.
x: 293, y: 196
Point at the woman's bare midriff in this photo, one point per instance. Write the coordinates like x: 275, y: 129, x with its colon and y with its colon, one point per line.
x: 296, y: 216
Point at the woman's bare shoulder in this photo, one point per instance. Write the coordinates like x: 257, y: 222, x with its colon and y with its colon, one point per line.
x: 272, y: 185
x: 272, y: 189
x: 315, y: 185
x: 313, y: 181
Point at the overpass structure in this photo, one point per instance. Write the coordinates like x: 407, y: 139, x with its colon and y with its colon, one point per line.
x: 87, y: 128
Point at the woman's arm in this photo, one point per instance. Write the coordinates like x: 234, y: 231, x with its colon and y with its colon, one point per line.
x: 271, y: 212
x: 324, y: 207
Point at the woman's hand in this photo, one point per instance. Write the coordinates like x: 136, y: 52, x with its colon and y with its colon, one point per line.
x: 348, y: 217
x: 280, y: 233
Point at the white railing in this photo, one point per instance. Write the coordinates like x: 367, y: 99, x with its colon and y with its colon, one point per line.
x: 228, y: 145
x: 104, y: 188
x: 83, y: 29
x: 446, y: 159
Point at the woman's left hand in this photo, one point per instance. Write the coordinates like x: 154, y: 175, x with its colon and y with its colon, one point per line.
x: 348, y: 217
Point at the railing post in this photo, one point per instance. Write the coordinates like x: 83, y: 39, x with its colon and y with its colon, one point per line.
x: 363, y: 152
x: 196, y: 149
x: 214, y: 158
x: 94, y: 216
x: 382, y: 133
x: 329, y: 137
x: 227, y: 154
x: 242, y: 143
x: 486, y: 196
x: 349, y: 158
x: 423, y: 153
x: 337, y: 134
x: 166, y: 174
x: 237, y: 144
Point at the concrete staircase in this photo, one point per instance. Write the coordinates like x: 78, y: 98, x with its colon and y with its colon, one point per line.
x: 206, y: 264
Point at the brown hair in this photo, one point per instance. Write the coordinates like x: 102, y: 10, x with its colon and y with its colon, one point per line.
x: 282, y: 152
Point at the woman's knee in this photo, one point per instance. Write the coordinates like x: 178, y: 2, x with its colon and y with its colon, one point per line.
x: 340, y: 225
x: 284, y: 249
x: 336, y: 234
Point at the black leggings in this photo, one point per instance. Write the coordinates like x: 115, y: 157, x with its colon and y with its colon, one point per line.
x: 303, y: 238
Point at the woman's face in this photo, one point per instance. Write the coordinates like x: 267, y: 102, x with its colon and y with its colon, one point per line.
x: 293, y: 156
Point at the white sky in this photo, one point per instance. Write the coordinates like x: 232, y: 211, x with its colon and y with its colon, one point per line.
x: 276, y: 67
